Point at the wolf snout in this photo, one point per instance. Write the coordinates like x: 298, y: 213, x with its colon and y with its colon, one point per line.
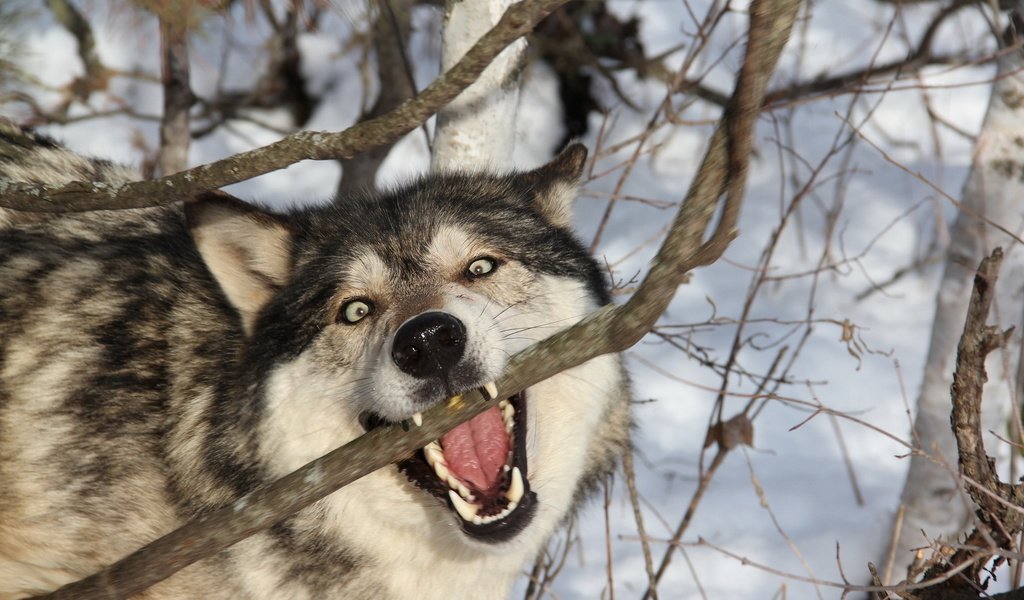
x: 429, y: 344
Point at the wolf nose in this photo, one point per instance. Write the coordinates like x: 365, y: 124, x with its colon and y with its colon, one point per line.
x: 429, y: 344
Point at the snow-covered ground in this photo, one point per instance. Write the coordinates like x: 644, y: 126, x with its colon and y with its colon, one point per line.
x: 789, y: 502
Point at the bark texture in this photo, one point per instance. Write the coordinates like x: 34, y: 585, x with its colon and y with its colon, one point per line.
x: 476, y: 131
x: 993, y: 193
x: 722, y: 175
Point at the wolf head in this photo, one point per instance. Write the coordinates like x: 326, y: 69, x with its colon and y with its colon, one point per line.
x: 373, y: 309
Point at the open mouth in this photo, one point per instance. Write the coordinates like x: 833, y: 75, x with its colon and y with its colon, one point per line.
x: 479, y: 470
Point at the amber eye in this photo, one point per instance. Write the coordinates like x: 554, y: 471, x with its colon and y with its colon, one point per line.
x: 481, y: 267
x: 354, y: 310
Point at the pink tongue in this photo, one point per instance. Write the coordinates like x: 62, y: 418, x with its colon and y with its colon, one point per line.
x: 476, y: 450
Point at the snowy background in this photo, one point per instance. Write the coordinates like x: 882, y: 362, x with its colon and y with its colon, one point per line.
x: 808, y: 520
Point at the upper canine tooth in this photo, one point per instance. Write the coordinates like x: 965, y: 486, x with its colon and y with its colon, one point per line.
x: 515, y: 489
x: 466, y: 510
x: 490, y: 390
x: 417, y: 418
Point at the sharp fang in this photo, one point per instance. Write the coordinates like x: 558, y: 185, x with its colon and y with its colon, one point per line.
x: 433, y: 453
x: 418, y: 419
x: 515, y: 489
x: 490, y: 390
x: 466, y: 510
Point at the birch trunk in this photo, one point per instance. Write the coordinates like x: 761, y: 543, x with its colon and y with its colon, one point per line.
x: 993, y: 197
x: 477, y: 130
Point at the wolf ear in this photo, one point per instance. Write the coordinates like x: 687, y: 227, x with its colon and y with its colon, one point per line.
x: 554, y: 185
x: 245, y: 248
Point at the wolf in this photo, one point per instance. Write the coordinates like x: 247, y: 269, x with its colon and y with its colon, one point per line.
x: 159, y: 363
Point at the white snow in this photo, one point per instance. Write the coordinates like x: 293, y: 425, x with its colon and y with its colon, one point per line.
x: 886, y: 218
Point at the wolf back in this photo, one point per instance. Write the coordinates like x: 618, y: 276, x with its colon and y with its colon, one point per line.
x: 159, y: 363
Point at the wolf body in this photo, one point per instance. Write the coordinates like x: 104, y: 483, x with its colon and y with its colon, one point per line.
x: 159, y: 363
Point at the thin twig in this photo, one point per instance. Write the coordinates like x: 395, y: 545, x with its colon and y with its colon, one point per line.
x: 610, y: 329
x: 81, y: 196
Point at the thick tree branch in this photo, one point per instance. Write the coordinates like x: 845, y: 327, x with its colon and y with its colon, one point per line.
x: 611, y: 329
x: 80, y: 196
x: 977, y: 342
x: 999, y: 504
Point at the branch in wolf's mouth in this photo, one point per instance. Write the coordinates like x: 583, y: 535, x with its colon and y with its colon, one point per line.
x: 611, y: 329
x: 81, y: 196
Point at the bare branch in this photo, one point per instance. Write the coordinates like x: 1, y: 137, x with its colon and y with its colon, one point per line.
x: 610, y: 329
x: 998, y: 503
x: 81, y: 196
x: 977, y: 342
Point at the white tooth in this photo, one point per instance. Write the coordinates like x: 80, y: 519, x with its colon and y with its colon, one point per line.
x: 433, y: 453
x: 441, y: 470
x: 418, y: 419
x: 515, y: 489
x: 477, y: 520
x: 491, y: 390
x: 506, y: 468
x: 508, y: 510
x: 502, y: 404
x: 466, y: 510
x: 456, y: 485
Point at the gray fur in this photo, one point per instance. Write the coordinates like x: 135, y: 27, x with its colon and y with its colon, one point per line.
x: 156, y: 364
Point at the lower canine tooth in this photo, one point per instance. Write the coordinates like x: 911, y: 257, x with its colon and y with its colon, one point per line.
x: 515, y: 489
x: 466, y: 510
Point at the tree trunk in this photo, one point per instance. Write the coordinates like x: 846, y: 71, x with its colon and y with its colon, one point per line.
x: 991, y: 215
x: 477, y: 129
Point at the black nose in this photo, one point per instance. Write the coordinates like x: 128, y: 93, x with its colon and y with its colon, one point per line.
x: 429, y: 344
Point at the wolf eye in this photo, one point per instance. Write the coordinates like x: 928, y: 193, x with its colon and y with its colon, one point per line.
x: 481, y: 266
x: 354, y: 310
